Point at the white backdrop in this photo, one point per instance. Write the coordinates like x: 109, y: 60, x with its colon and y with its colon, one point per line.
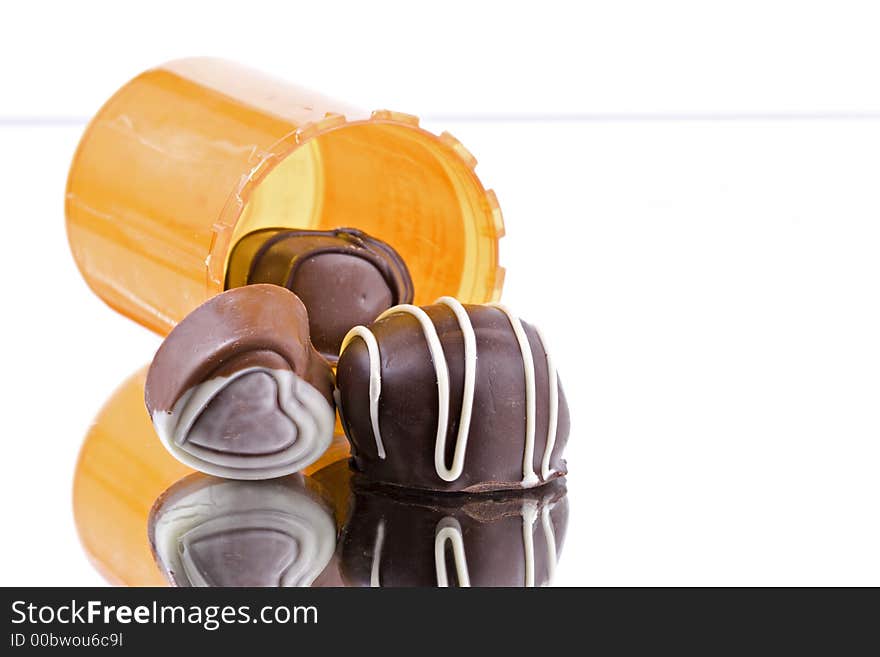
x: 690, y: 193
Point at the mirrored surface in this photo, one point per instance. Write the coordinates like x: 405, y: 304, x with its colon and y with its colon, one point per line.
x: 335, y: 529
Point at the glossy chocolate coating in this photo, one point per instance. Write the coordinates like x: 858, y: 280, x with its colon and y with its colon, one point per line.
x: 261, y: 387
x: 408, y: 405
x: 391, y: 537
x: 344, y: 277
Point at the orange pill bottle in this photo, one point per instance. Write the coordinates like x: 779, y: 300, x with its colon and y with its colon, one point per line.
x: 188, y: 158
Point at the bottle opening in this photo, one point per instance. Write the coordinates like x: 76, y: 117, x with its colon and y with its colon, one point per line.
x: 397, y: 183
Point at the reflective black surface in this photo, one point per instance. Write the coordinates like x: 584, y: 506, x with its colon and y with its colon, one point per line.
x: 332, y: 529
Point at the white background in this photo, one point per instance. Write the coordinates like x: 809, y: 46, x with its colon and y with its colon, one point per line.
x: 691, y: 199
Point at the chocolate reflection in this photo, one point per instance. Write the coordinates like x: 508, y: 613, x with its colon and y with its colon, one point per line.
x: 206, y: 531
x: 333, y: 529
x: 401, y: 539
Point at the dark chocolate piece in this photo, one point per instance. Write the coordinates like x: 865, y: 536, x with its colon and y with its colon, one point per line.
x: 452, y: 398
x: 399, y: 538
x: 344, y: 277
x: 213, y: 532
x: 237, y: 389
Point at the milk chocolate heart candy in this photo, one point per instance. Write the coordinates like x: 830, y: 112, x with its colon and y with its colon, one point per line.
x: 237, y: 390
x: 452, y: 397
x: 344, y: 277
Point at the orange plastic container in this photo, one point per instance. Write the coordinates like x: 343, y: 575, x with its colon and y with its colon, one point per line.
x: 188, y: 158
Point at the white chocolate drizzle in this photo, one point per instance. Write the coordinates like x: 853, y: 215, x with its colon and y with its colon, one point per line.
x: 377, y: 555
x: 528, y: 469
x: 550, y: 538
x: 441, y: 370
x: 552, y: 408
x: 467, y: 400
x: 369, y: 339
x: 529, y: 515
x: 448, y: 529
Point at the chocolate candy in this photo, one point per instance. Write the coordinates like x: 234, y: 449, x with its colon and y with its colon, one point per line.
x: 500, y: 539
x: 452, y: 397
x: 237, y: 389
x: 213, y: 532
x: 344, y: 277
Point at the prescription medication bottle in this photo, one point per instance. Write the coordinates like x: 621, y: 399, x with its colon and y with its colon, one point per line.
x: 189, y: 158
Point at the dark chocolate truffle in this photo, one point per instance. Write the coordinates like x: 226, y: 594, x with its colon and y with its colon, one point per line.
x: 399, y: 538
x: 213, y: 532
x: 344, y: 277
x: 453, y: 398
x: 237, y: 389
